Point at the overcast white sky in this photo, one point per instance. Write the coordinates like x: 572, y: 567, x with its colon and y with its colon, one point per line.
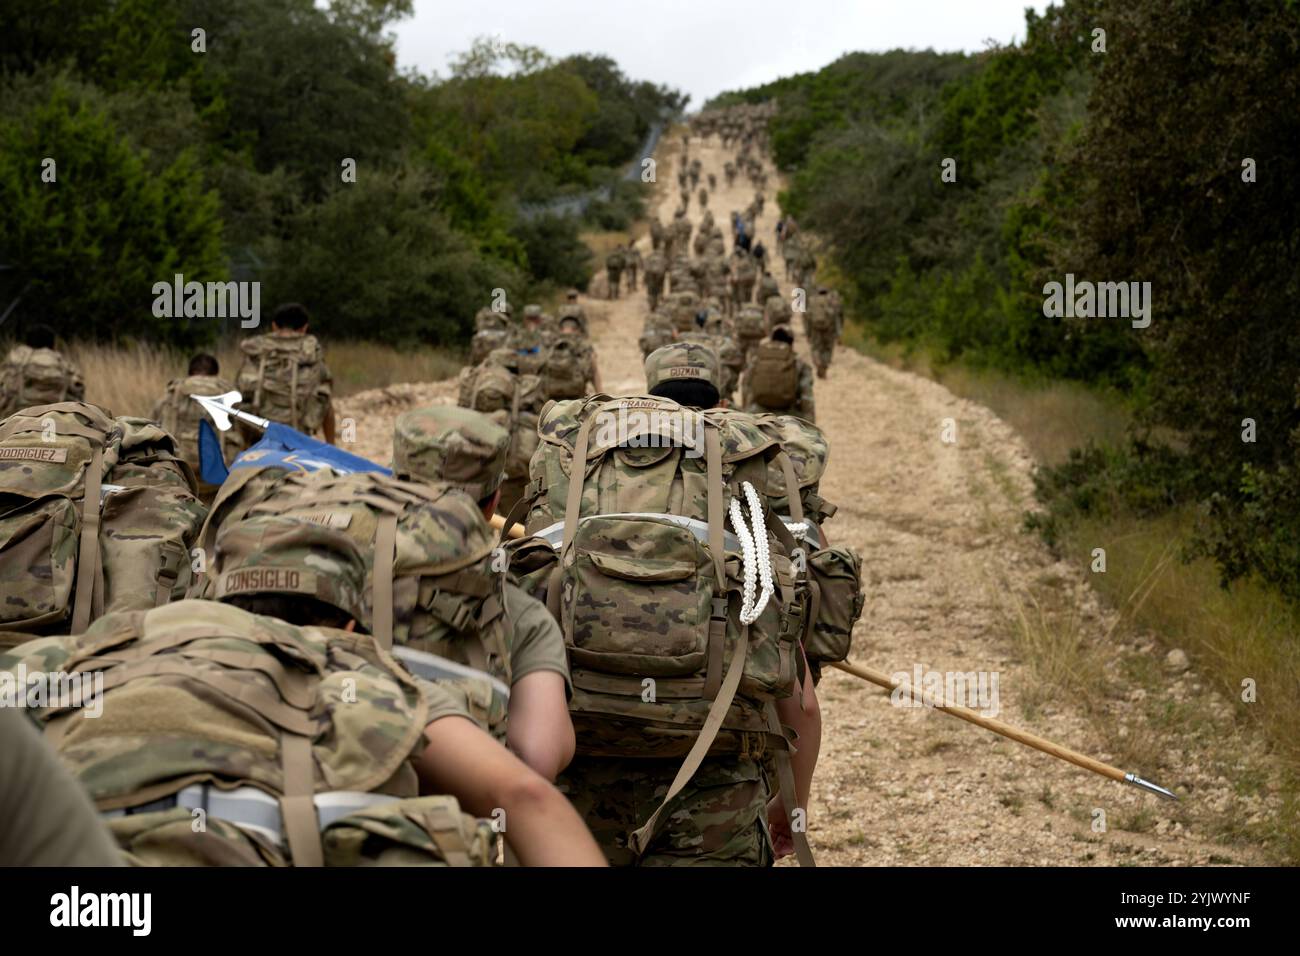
x: 707, y: 46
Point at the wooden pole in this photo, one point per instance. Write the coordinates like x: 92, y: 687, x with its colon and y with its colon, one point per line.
x: 882, y: 679
x: 498, y: 521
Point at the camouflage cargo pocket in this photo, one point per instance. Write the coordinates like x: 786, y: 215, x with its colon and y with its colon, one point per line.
x: 38, y: 562
x: 419, y: 831
x: 636, y: 597
x: 837, y: 573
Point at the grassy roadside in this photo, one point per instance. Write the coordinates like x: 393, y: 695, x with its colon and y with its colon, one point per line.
x: 1235, y: 639
x: 129, y: 379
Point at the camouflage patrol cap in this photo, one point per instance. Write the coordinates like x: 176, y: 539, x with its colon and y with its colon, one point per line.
x: 571, y: 294
x: 277, y: 554
x: 681, y: 360
x: 532, y: 312
x: 454, y: 445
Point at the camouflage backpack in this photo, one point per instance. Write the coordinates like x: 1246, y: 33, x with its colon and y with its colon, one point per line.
x: 750, y: 325
x: 834, y: 574
x: 615, y: 260
x: 485, y: 341
x: 821, y: 314
x: 37, y: 377
x: 656, y: 332
x: 773, y: 375
x: 564, y: 373
x: 514, y: 402
x: 293, y: 745
x: 428, y: 553
x: 684, y: 306
x: 671, y: 655
x: 97, y: 514
x: 179, y: 416
x: 282, y: 379
x: 776, y: 311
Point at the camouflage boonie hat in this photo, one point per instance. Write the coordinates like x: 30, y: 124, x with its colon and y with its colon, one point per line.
x: 275, y: 554
x: 457, y: 446
x: 681, y: 360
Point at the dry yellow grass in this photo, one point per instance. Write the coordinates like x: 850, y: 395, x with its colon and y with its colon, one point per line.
x: 128, y: 379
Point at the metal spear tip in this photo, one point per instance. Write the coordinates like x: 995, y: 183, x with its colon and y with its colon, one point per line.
x: 1147, y: 785
x: 222, y: 409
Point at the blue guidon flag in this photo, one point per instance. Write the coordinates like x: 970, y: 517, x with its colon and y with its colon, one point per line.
x: 280, y: 446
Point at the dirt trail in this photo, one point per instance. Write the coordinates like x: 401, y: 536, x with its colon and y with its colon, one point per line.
x: 938, y: 526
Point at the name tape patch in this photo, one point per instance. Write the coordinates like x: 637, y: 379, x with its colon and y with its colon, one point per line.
x: 56, y: 455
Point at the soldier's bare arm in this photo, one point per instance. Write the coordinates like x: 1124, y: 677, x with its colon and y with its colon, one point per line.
x: 539, y: 730
x: 801, y: 713
x: 542, y: 828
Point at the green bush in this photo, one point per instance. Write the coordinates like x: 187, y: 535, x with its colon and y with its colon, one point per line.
x: 158, y: 222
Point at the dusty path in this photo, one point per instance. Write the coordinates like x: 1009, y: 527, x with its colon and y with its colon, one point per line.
x: 938, y: 525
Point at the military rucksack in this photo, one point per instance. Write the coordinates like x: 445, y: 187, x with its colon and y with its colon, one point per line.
x: 512, y: 400
x: 834, y: 574
x: 564, y: 373
x: 615, y: 260
x: 282, y: 378
x: 428, y: 553
x: 179, y: 416
x: 773, y: 375
x: 776, y: 311
x: 37, y: 377
x: 97, y: 514
x: 655, y: 333
x: 821, y: 314
x: 750, y: 325
x: 681, y: 634
x: 485, y: 341
x: 290, y: 744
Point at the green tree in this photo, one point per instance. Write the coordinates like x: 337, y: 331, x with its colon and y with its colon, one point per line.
x: 108, y: 222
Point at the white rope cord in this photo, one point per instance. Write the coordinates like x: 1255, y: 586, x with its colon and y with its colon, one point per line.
x: 759, y: 527
x: 747, y: 614
x: 754, y: 555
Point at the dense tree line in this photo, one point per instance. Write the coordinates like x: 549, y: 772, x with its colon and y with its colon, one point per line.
x: 1118, y: 142
x: 221, y: 155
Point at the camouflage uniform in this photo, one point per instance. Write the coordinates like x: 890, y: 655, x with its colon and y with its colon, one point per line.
x: 450, y: 445
x: 720, y: 819
x: 138, y: 771
x: 614, y: 264
x: 38, y: 377
x: 632, y: 264
x: 720, y: 816
x: 179, y: 415
x: 573, y: 308
x: 824, y: 321
x: 529, y: 344
x: 655, y: 267
x: 803, y: 406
